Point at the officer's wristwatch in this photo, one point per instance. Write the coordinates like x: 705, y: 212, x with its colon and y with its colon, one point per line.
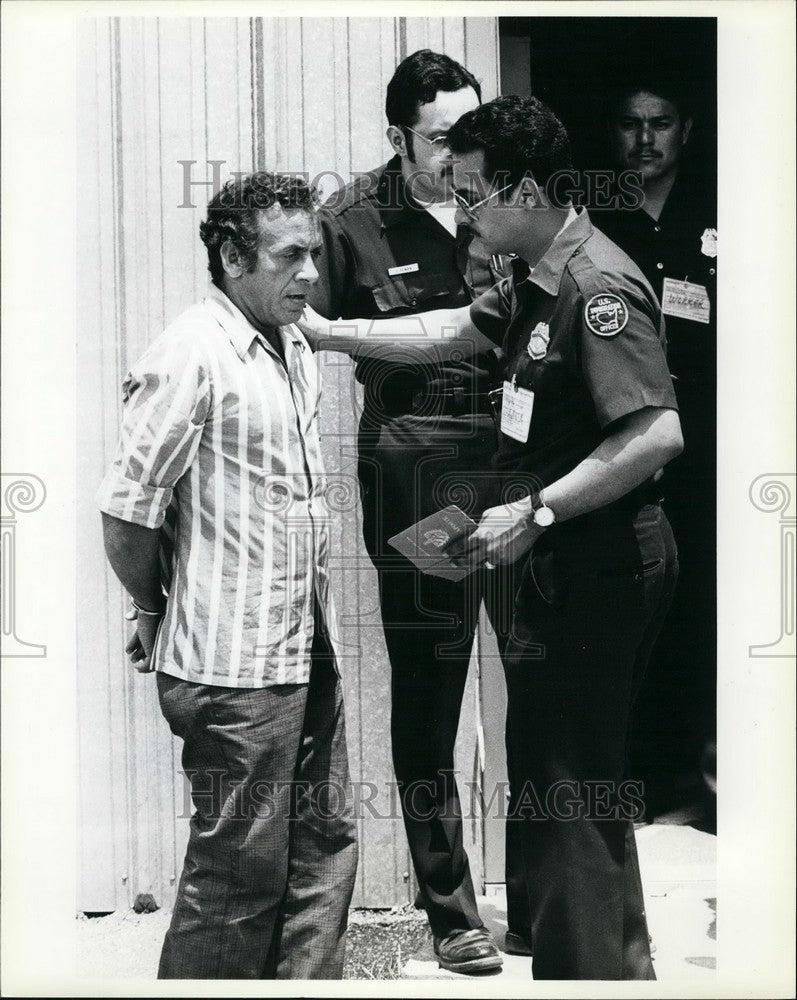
x: 542, y: 515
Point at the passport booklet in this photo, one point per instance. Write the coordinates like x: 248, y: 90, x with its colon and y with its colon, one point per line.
x: 423, y: 543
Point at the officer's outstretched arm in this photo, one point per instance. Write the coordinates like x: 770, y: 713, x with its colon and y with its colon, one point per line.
x: 441, y: 333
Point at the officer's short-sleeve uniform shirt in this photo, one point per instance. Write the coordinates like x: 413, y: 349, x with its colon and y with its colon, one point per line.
x: 681, y: 246
x: 584, y: 332
x: 385, y: 256
x: 426, y: 436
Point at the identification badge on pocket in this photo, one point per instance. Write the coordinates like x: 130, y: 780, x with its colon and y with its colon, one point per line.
x: 516, y: 407
x: 403, y: 269
x: 685, y: 300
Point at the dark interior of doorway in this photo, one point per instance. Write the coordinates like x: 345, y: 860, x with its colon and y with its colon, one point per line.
x: 572, y: 62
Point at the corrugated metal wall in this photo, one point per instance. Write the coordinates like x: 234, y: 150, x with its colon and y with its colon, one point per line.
x: 287, y: 94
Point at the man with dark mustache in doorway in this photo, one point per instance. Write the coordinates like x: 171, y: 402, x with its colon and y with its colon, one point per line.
x: 672, y: 237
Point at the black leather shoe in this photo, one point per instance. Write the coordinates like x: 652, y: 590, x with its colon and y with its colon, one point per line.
x: 517, y: 944
x: 468, y: 951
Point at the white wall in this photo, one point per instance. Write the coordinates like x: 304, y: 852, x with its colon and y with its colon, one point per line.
x: 284, y: 94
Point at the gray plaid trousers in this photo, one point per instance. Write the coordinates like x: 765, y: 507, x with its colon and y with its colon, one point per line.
x: 272, y: 853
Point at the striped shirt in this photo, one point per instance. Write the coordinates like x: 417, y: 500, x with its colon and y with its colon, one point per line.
x: 216, y: 425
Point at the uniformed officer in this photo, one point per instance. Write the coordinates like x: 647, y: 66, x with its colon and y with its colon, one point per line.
x: 588, y: 419
x: 672, y: 236
x: 426, y: 439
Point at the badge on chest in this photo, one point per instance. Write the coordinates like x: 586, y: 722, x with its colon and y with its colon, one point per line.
x: 708, y: 243
x: 538, y: 342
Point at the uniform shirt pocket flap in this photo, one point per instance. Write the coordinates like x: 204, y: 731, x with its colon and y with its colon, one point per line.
x: 412, y: 295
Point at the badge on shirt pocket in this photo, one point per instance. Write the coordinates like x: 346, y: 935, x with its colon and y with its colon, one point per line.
x: 708, y: 243
x: 537, y: 346
x: 516, y: 409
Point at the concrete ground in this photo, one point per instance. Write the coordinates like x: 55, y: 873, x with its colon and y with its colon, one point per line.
x: 678, y: 865
x: 678, y: 874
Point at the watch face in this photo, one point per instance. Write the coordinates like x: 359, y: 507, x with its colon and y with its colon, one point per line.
x: 543, y: 517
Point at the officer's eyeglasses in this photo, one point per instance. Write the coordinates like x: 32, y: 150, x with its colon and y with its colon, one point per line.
x: 438, y: 144
x: 470, y: 208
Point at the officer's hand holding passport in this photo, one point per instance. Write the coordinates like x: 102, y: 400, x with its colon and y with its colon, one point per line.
x: 451, y: 545
x: 502, y: 536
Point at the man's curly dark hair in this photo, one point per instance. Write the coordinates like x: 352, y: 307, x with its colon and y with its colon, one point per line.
x: 519, y: 136
x: 233, y: 214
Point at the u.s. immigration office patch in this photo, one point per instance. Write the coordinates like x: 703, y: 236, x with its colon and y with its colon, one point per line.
x: 606, y: 314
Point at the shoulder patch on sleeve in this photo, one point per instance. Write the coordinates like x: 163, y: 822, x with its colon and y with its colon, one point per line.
x: 606, y: 314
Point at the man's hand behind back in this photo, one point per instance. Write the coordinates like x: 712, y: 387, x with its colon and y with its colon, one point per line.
x: 142, y: 642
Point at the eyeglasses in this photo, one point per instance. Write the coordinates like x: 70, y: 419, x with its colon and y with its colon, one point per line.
x: 438, y: 143
x: 470, y: 209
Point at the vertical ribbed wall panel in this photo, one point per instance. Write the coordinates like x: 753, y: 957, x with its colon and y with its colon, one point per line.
x: 281, y: 93
x: 102, y: 737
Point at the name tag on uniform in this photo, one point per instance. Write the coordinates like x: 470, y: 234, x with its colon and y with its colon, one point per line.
x: 404, y: 269
x: 685, y: 300
x: 516, y: 407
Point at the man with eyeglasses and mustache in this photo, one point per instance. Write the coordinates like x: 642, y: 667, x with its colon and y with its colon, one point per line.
x: 426, y: 438
x: 589, y: 417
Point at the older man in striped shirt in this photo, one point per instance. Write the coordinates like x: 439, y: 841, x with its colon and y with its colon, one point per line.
x: 220, y: 423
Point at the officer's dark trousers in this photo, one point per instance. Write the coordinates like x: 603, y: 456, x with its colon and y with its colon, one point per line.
x: 591, y: 601
x: 429, y: 625
x: 270, y: 865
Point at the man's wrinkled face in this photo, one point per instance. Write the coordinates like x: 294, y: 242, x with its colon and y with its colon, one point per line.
x: 431, y: 157
x: 648, y: 135
x: 275, y: 292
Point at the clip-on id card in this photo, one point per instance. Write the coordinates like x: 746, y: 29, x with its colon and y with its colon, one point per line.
x: 516, y: 409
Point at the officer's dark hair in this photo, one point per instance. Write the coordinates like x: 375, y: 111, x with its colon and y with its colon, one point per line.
x: 520, y: 136
x: 233, y: 214
x: 417, y: 80
x: 662, y: 84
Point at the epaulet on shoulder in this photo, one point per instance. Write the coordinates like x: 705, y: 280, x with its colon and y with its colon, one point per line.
x: 617, y: 273
x: 585, y: 273
x: 356, y: 191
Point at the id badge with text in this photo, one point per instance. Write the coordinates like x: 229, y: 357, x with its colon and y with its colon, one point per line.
x: 516, y: 408
x: 685, y: 300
